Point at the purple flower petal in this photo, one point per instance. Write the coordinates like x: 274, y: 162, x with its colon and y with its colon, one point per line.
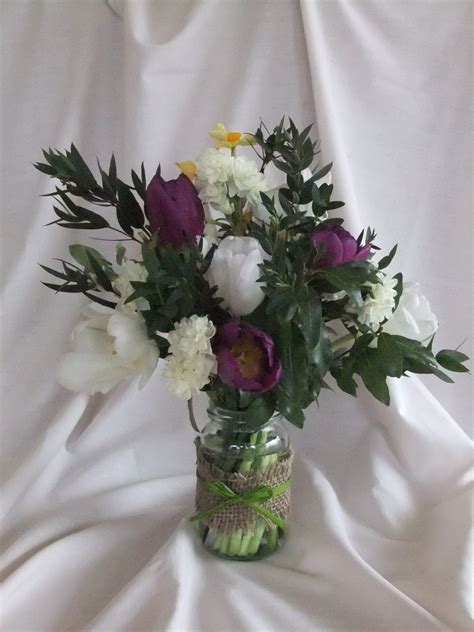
x: 363, y: 253
x: 246, y: 357
x: 329, y: 248
x: 174, y: 210
x: 335, y: 246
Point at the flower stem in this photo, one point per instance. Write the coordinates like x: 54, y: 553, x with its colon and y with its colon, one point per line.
x: 192, y: 418
x: 255, y: 540
x: 245, y: 544
x: 272, y: 537
x: 248, y: 459
x: 235, y: 542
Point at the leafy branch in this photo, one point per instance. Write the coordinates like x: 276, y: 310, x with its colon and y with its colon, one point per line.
x: 77, y: 180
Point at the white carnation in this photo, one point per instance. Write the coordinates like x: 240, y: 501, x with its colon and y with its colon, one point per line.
x: 214, y: 166
x: 378, y: 305
x: 191, y: 361
x: 191, y: 336
x: 247, y: 181
x: 222, y: 177
x: 127, y: 272
x: 186, y: 376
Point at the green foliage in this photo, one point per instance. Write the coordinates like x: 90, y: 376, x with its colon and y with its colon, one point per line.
x: 175, y: 287
x: 393, y: 356
x: 452, y: 360
x: 387, y: 260
x: 292, y: 390
x: 78, y: 181
x: 129, y: 212
x: 88, y: 280
x: 259, y: 411
x: 349, y: 277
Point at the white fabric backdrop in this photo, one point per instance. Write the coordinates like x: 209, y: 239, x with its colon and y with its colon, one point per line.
x: 96, y: 490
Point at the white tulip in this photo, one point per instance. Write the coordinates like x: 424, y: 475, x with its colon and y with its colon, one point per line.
x: 108, y: 346
x: 234, y: 270
x: 413, y: 317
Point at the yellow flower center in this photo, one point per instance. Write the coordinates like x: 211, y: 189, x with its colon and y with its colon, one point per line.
x: 233, y: 137
x: 249, y: 357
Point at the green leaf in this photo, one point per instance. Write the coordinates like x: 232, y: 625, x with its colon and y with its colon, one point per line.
x: 80, y: 254
x: 451, y: 360
x: 442, y: 376
x: 79, y: 213
x: 398, y: 288
x: 389, y: 358
x: 294, y: 415
x: 286, y: 205
x: 368, y: 368
x: 316, y: 196
x: 311, y: 320
x: 343, y: 376
x: 79, y: 225
x: 259, y: 412
x: 137, y: 183
x: 113, y: 173
x: 387, y: 260
x: 86, y: 178
x: 292, y: 391
x: 345, y: 277
x: 323, y: 354
x: 44, y: 168
x: 120, y: 253
x: 84, y: 214
x: 279, y: 301
x: 102, y: 278
x: 129, y: 212
x: 413, y: 349
x: 322, y: 172
x: 65, y: 287
x: 55, y: 273
x: 100, y: 300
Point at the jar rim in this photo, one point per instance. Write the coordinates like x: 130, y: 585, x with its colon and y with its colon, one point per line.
x: 236, y: 416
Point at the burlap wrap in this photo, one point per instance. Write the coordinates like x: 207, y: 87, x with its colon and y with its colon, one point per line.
x: 238, y: 516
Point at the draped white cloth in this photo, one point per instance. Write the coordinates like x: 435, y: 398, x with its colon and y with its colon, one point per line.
x: 96, y: 491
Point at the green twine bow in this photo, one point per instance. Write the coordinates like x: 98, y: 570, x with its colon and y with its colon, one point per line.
x: 251, y: 498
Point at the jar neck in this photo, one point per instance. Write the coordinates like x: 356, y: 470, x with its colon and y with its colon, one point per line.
x: 235, y: 419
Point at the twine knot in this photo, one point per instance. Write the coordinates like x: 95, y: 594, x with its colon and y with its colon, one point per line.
x: 252, y: 498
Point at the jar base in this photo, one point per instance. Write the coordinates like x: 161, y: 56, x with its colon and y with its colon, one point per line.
x: 242, y: 547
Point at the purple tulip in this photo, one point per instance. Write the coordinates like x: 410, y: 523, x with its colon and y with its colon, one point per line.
x: 246, y: 357
x: 174, y: 210
x: 334, y: 246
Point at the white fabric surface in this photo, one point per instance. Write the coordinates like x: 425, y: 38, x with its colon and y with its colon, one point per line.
x: 96, y: 490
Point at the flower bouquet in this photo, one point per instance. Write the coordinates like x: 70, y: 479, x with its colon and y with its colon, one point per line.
x: 236, y: 278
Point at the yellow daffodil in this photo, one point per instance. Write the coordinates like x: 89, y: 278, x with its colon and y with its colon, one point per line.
x: 223, y: 138
x: 188, y: 167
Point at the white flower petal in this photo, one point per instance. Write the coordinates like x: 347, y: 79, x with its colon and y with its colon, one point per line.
x: 107, y: 347
x: 90, y: 373
x: 234, y: 270
x: 413, y: 317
